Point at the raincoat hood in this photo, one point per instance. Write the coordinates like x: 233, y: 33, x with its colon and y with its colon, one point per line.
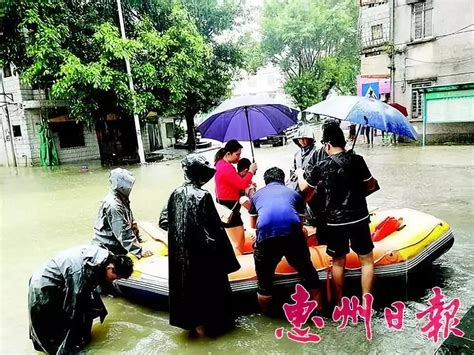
x: 197, y: 169
x: 122, y: 181
x: 304, y: 132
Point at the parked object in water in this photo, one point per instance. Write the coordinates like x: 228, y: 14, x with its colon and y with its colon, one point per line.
x: 275, y: 140
x: 423, y: 239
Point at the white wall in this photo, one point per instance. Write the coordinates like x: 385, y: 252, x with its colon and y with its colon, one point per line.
x: 371, y: 16
x: 449, y: 57
x: 375, y: 65
x: 15, y: 111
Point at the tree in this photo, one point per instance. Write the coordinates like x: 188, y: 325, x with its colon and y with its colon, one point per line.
x: 213, y: 18
x: 179, y: 67
x: 314, y: 43
x: 79, y: 54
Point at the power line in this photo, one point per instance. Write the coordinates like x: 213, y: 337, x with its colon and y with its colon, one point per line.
x: 455, y: 74
x: 452, y: 34
x: 459, y: 31
x: 441, y: 76
x: 443, y: 62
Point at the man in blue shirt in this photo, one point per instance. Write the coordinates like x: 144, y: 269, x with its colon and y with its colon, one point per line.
x: 276, y: 211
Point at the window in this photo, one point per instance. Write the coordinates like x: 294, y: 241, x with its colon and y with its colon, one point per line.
x: 16, y: 130
x: 422, y: 17
x: 371, y: 3
x: 70, y: 134
x: 372, y: 54
x: 416, y: 99
x: 7, y: 71
x: 377, y: 32
x: 169, y: 130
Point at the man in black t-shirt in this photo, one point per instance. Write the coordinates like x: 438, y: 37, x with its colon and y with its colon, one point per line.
x: 344, y: 177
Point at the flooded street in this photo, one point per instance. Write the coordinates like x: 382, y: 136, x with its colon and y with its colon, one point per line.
x: 43, y: 211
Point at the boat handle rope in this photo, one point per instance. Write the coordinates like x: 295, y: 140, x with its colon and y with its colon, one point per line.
x: 329, y: 267
x: 426, y: 236
x: 394, y: 250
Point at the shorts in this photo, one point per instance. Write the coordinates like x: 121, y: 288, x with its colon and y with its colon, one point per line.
x: 358, y: 234
x: 269, y: 252
x: 236, y: 219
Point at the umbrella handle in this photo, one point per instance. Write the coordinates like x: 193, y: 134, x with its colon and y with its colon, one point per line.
x: 250, y: 135
x: 355, y: 138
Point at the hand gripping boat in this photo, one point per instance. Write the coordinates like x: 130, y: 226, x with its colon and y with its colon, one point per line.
x: 419, y: 240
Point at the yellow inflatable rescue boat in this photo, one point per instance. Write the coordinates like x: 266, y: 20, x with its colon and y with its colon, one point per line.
x: 418, y: 240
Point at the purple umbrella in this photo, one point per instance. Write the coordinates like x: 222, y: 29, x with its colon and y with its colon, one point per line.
x: 247, y: 118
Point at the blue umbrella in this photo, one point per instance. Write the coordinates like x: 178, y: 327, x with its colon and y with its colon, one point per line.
x: 247, y: 118
x: 365, y: 111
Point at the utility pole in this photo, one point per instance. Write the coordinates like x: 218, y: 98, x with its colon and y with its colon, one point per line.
x: 392, y: 56
x: 141, y: 152
x: 392, y: 50
x: 7, y: 114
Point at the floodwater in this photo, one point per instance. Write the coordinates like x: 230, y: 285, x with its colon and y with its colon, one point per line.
x: 43, y: 211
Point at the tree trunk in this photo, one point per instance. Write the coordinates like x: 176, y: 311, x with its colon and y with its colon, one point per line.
x: 326, y: 92
x: 190, y: 131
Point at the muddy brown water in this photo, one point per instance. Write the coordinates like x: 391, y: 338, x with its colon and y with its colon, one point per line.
x: 43, y: 211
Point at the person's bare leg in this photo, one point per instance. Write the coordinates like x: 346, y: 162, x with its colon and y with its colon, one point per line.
x: 245, y: 202
x: 200, y: 331
x: 317, y: 296
x: 264, y: 302
x: 237, y: 238
x: 368, y: 273
x: 338, y: 265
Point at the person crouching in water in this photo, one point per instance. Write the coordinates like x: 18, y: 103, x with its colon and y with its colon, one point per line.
x: 277, y: 212
x: 200, y: 255
x: 62, y: 297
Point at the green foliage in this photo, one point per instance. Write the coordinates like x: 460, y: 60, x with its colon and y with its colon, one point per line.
x: 253, y: 56
x: 88, y: 72
x: 179, y: 133
x: 314, y: 42
x: 75, y: 48
x: 213, y: 17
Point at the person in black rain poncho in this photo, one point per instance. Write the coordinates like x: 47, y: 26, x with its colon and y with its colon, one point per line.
x: 62, y: 297
x: 200, y: 255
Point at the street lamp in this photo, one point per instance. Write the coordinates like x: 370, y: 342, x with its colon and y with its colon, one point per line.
x: 141, y: 152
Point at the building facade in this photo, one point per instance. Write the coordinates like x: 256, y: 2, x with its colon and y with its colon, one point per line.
x: 374, y: 34
x: 23, y: 110
x: 21, y: 114
x: 429, y: 48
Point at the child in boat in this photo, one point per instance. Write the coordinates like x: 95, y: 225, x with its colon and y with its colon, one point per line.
x: 243, y: 166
